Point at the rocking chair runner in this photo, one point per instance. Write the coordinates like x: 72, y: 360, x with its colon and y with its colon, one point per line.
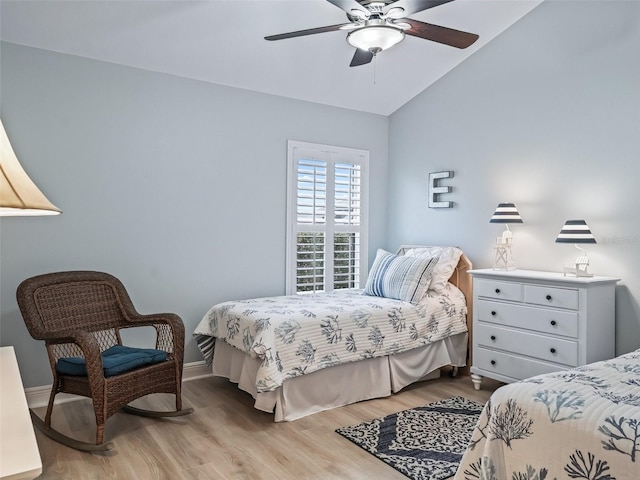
x: 79, y: 316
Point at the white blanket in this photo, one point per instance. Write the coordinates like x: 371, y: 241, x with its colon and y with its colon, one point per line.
x: 576, y: 424
x: 298, y: 334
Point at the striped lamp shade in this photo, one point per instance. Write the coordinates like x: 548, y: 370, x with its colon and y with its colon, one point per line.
x: 575, y: 231
x: 506, y: 213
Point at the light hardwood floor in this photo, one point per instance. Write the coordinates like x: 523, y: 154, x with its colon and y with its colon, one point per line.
x: 226, y: 438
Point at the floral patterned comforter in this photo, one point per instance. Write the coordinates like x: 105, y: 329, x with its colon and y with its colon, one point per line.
x: 299, y: 334
x: 575, y: 424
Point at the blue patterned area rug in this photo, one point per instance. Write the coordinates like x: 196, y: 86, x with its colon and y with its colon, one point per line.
x: 423, y: 443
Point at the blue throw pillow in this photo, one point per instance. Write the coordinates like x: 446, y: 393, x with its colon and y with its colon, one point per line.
x: 400, y: 277
x: 115, y: 360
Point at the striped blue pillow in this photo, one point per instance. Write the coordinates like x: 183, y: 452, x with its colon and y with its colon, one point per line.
x: 400, y: 277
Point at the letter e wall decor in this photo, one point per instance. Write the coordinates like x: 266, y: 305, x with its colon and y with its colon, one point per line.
x: 435, y: 189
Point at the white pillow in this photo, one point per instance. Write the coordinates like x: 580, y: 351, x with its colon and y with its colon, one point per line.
x: 400, y: 277
x: 447, y: 261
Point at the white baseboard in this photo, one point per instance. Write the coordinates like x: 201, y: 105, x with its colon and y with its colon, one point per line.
x: 39, y: 396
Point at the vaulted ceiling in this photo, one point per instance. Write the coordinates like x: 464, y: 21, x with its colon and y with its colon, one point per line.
x: 222, y: 41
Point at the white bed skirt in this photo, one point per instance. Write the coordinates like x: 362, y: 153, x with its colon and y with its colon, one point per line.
x: 342, y: 384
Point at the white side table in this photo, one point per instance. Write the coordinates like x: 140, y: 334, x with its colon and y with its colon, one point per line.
x: 19, y: 454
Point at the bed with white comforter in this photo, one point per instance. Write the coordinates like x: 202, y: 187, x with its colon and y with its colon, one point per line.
x: 300, y: 334
x: 582, y: 423
x: 301, y: 354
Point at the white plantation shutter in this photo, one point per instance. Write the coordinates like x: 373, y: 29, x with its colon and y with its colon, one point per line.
x: 326, y: 217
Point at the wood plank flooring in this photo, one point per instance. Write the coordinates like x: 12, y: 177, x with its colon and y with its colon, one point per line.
x: 226, y: 438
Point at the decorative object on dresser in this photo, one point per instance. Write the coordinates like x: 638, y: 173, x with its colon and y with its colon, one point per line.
x: 526, y: 323
x: 19, y: 196
x: 577, y: 231
x: 505, y: 213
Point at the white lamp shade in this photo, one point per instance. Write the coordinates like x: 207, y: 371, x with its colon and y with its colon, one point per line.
x: 575, y: 231
x: 506, y: 213
x: 375, y: 38
x: 19, y: 196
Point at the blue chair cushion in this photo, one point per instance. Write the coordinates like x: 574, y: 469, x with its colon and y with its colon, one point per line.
x: 115, y: 360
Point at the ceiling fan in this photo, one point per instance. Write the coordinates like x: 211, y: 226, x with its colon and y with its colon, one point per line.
x: 375, y: 25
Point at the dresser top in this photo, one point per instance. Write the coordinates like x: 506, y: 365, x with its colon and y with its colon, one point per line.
x: 538, y: 275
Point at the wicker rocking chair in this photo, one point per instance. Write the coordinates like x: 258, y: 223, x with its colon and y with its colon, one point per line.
x: 79, y: 316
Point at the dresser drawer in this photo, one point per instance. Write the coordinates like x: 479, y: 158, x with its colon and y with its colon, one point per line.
x: 501, y: 290
x: 517, y: 368
x: 550, y: 349
x: 551, y: 296
x: 544, y: 320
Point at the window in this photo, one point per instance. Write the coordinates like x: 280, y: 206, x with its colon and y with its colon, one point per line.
x: 326, y: 217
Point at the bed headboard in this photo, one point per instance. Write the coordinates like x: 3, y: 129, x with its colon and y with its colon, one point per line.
x: 461, y: 279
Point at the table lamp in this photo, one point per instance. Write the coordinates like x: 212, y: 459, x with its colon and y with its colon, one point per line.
x: 505, y: 213
x: 577, y: 231
x: 19, y: 196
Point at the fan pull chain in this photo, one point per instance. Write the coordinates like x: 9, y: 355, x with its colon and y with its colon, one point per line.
x: 374, y: 69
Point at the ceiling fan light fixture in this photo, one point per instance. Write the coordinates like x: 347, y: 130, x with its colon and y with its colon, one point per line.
x: 375, y: 38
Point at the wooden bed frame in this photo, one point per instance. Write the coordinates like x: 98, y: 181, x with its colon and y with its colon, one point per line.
x: 461, y: 279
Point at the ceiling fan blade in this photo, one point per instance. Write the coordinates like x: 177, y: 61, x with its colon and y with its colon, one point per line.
x: 309, y: 31
x: 349, y: 5
x: 436, y: 33
x: 415, y: 6
x: 361, y: 57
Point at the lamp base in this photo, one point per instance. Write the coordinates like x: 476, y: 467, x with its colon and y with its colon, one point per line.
x: 576, y: 271
x: 579, y: 268
x: 503, y: 258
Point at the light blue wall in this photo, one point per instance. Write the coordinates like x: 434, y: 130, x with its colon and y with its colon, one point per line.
x: 175, y: 186
x: 546, y: 116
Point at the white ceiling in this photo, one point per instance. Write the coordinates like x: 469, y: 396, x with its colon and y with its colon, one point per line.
x: 222, y: 41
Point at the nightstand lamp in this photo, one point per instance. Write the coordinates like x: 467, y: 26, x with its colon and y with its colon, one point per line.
x: 577, y: 231
x: 505, y: 213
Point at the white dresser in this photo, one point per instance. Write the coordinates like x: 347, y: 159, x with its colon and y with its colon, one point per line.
x: 526, y: 323
x: 19, y: 454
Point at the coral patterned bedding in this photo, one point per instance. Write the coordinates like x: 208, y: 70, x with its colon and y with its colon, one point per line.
x: 299, y: 334
x: 575, y: 424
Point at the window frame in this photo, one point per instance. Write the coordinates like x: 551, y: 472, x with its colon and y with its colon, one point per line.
x: 332, y: 155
